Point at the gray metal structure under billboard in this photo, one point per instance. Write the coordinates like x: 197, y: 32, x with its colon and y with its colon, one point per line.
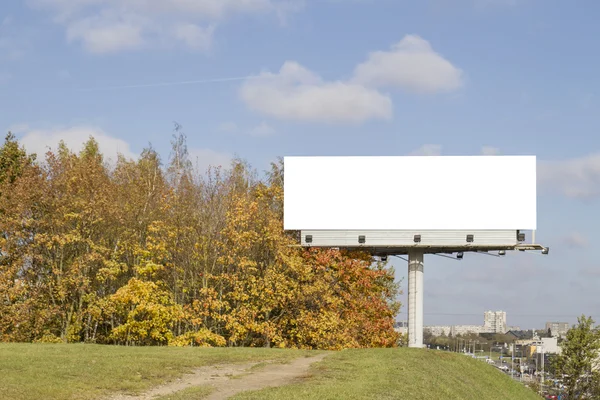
x: 415, y: 243
x: 398, y: 242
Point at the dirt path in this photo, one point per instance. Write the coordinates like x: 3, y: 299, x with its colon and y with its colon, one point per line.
x: 219, y: 376
x: 270, y: 376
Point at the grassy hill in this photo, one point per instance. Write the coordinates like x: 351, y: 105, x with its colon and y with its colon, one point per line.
x: 86, y: 372
x: 35, y: 371
x: 399, y: 374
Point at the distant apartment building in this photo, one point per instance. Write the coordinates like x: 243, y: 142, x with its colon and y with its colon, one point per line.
x: 401, y: 330
x: 545, y: 348
x: 439, y: 330
x: 548, y: 345
x: 401, y: 324
x: 401, y: 327
x: 557, y: 329
x: 466, y: 329
x: 453, y: 330
x: 494, y: 321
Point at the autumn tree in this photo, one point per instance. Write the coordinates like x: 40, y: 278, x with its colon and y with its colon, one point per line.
x: 345, y: 302
x: 141, y: 253
x: 24, y: 312
x: 73, y: 239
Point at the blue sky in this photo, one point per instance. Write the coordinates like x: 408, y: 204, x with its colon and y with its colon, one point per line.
x: 268, y: 78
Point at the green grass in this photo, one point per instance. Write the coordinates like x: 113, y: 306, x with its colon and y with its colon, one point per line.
x: 398, y: 374
x: 81, y: 372
x: 192, y: 393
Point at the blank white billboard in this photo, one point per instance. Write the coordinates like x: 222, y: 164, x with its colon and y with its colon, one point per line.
x: 399, y: 193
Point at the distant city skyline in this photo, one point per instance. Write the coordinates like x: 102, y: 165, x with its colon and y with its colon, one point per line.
x: 453, y: 319
x: 493, y: 322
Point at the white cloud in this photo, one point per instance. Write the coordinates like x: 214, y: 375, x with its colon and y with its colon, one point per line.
x: 105, y: 34
x: 575, y: 178
x: 427, y: 150
x: 490, y: 151
x: 436, y: 150
x: 201, y: 9
x: 104, y: 26
x: 284, y: 9
x: 262, y: 130
x: 411, y: 64
x: 194, y: 36
x: 299, y: 94
x: 202, y: 159
x: 40, y: 141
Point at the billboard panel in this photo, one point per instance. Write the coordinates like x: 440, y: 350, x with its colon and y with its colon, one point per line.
x: 407, y: 193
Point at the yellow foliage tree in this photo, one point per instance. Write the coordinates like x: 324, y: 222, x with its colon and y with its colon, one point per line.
x: 142, y: 254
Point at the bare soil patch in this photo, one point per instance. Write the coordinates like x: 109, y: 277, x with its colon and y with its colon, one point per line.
x: 231, y: 379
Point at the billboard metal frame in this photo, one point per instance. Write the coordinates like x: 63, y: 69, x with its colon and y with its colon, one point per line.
x: 395, y: 242
x: 416, y: 244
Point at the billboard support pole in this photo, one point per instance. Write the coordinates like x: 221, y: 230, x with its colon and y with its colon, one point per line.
x: 415, y: 299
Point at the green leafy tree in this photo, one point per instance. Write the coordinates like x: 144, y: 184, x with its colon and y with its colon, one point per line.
x: 579, y: 360
x: 13, y: 159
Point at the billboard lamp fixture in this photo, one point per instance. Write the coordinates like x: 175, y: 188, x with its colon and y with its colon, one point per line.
x: 485, y: 252
x: 460, y: 255
x: 546, y: 250
x: 445, y: 256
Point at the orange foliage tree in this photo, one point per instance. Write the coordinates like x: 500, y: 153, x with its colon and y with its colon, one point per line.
x: 137, y: 253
